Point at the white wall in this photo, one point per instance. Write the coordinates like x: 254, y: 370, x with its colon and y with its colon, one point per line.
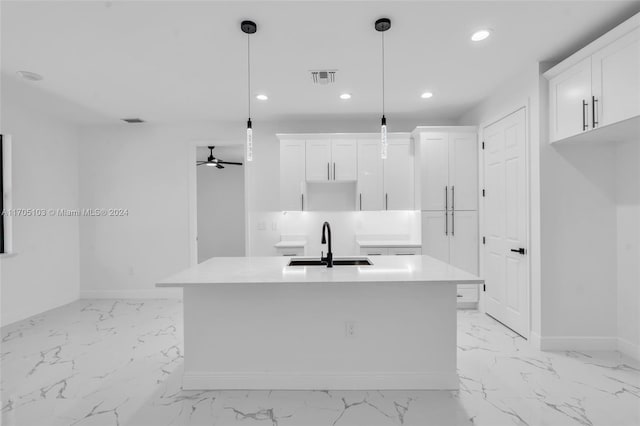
x: 143, y: 168
x: 628, y: 248
x: 44, y: 271
x: 220, y: 193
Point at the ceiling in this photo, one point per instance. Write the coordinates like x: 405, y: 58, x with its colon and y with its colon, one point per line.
x: 176, y: 62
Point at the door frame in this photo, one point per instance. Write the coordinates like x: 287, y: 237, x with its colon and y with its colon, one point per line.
x: 481, y: 207
x: 192, y: 182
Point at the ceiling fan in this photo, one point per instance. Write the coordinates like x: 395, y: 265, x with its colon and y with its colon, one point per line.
x: 214, y: 162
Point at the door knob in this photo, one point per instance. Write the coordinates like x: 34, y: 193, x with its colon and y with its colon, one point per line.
x: 519, y: 250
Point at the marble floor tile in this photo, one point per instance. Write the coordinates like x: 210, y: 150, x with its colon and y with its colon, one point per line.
x: 119, y: 362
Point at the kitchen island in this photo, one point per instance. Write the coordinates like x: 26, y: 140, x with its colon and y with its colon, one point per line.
x: 256, y: 323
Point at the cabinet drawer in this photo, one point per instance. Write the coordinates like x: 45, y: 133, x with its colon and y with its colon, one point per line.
x: 467, y: 294
x: 374, y: 251
x: 290, y: 251
x: 405, y: 251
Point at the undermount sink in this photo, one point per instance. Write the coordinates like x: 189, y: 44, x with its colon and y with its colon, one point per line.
x: 360, y: 261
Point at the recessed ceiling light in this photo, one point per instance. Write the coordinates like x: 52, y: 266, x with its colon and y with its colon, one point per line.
x: 28, y: 75
x: 480, y: 35
x: 262, y: 97
x: 345, y: 96
x: 426, y: 95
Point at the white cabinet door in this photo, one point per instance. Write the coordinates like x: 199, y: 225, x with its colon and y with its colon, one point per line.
x: 463, y: 171
x: 434, y: 164
x: 435, y: 235
x: 370, y: 180
x: 318, y: 160
x: 569, y: 101
x: 344, y: 153
x: 292, y: 175
x: 463, y: 229
x: 616, y: 80
x: 398, y: 176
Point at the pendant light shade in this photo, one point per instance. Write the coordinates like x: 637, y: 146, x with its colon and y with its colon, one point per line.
x: 249, y: 27
x: 382, y: 25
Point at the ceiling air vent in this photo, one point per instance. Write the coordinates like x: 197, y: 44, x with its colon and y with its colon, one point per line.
x: 133, y: 120
x: 323, y: 76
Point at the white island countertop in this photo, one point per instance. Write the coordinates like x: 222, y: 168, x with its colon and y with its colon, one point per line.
x: 266, y: 270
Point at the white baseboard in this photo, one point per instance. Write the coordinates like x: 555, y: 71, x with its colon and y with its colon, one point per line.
x: 535, y: 340
x: 155, y: 293
x: 577, y: 343
x: 319, y: 381
x: 629, y: 348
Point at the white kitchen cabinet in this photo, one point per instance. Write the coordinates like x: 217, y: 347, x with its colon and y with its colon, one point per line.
x: 398, y: 175
x: 318, y: 160
x: 569, y: 100
x: 448, y: 170
x: 598, y: 86
x: 435, y: 234
x: 344, y: 160
x: 463, y: 237
x: 463, y: 171
x: 374, y: 251
x: 329, y: 160
x: 391, y: 251
x: 292, y: 175
x: 434, y: 170
x: 405, y: 251
x: 370, y: 175
x: 616, y: 80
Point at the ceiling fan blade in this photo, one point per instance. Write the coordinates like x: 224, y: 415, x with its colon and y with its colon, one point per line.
x: 230, y: 162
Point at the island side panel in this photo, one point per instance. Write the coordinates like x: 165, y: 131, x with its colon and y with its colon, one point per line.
x: 294, y: 336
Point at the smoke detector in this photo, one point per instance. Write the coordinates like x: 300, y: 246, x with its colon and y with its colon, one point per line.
x: 323, y: 76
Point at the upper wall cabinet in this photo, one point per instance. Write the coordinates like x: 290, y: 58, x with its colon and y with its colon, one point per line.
x: 330, y: 160
x: 292, y: 175
x: 307, y: 160
x: 598, y: 86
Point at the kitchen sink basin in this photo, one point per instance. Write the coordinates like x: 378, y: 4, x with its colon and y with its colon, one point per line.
x: 360, y: 261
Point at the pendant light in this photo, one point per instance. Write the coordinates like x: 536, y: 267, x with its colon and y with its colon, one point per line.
x: 382, y: 25
x: 249, y: 27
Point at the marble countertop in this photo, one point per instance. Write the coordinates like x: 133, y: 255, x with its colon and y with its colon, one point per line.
x: 273, y: 270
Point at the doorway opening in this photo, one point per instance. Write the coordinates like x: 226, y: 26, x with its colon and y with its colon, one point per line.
x: 220, y: 202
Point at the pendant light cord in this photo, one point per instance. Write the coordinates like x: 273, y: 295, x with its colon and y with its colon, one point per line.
x: 249, y: 74
x: 382, y: 73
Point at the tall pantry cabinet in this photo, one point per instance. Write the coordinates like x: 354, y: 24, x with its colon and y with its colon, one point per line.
x: 447, y: 194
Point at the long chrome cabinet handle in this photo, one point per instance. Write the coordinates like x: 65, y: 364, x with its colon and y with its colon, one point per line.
x: 453, y: 197
x: 594, y: 110
x: 386, y: 201
x: 446, y: 210
x: 361, y: 201
x: 328, y: 176
x: 334, y: 171
x: 585, y: 107
x: 453, y: 222
x: 301, y: 202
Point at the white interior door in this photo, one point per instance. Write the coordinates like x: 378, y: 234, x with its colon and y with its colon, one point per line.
x: 505, y: 222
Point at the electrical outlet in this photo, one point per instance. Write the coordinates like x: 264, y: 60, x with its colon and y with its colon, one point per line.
x: 349, y: 329
x: 274, y: 225
x: 262, y: 225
